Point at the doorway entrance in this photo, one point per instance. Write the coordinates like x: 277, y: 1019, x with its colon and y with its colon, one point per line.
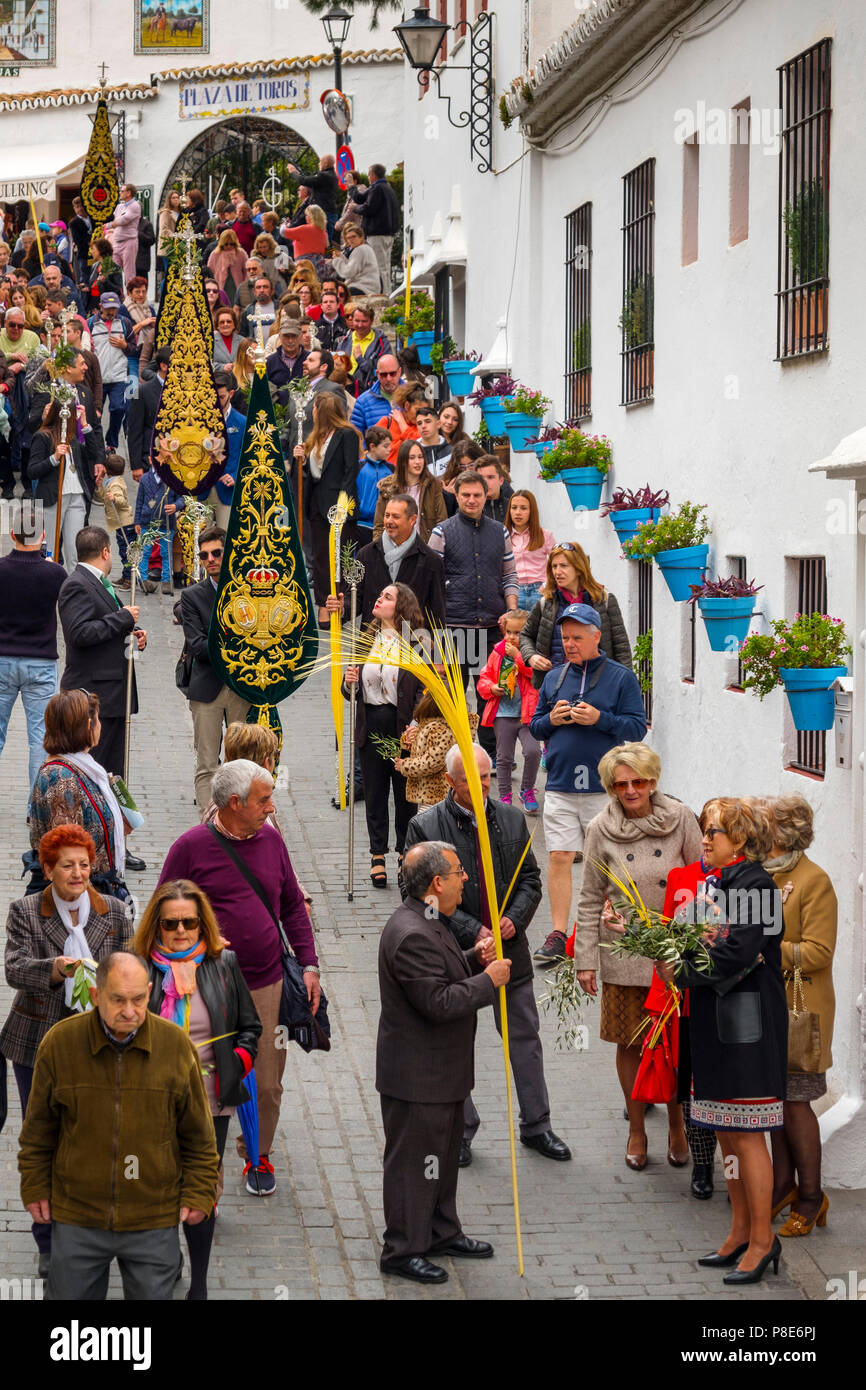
x: 247, y: 152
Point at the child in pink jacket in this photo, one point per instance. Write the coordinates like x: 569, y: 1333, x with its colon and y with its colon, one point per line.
x: 506, y: 685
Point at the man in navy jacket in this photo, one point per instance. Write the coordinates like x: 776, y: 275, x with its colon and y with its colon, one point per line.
x: 585, y: 708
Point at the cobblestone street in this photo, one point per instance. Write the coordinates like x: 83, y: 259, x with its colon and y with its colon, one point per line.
x: 591, y: 1229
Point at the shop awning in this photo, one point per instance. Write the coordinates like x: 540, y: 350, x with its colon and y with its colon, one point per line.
x: 38, y: 169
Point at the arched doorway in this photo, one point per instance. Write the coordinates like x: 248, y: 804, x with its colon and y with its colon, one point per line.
x: 240, y: 153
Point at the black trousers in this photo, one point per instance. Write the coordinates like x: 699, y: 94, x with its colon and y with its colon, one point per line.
x: 199, y: 1239
x: 474, y: 645
x: 381, y: 776
x: 419, y: 1179
x: 110, y: 748
x: 319, y: 531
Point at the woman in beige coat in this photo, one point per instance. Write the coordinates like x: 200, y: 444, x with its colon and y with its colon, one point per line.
x: 646, y: 834
x: 810, y: 908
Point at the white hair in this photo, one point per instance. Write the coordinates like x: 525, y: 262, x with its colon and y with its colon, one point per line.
x: 454, y: 758
x: 236, y: 779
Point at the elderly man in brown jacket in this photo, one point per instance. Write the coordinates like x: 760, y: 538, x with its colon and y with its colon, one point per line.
x: 117, y: 1145
x: 430, y: 991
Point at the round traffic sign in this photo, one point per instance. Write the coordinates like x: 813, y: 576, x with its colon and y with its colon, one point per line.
x: 345, y: 164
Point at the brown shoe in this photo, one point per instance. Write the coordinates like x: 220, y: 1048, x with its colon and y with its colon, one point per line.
x: 148, y: 585
x: 166, y: 587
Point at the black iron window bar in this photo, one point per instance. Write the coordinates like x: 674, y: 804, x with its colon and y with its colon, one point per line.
x: 578, y: 306
x: 811, y: 755
x: 638, y: 283
x: 804, y: 193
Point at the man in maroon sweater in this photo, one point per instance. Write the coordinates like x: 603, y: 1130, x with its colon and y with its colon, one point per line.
x: 243, y: 794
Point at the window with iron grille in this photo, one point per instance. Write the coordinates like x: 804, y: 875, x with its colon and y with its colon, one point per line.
x: 645, y: 627
x: 578, y: 359
x: 638, y: 269
x: 442, y: 319
x: 737, y: 569
x: 811, y: 755
x: 804, y: 197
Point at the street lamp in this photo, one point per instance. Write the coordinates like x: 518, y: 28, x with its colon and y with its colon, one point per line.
x: 421, y: 40
x: 336, y: 23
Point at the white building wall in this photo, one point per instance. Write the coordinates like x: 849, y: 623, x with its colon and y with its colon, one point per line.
x: 92, y: 31
x: 728, y: 426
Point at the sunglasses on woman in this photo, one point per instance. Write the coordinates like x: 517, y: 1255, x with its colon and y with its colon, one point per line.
x: 637, y: 783
x: 173, y: 924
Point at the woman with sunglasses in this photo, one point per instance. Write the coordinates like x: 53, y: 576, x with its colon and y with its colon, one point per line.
x: 733, y: 1070
x: 197, y: 984
x: 647, y: 834
x: 569, y: 579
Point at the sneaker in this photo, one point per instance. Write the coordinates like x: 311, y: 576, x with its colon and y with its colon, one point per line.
x: 530, y: 805
x: 544, y: 758
x: 260, y: 1181
x: 552, y: 950
x: 505, y: 799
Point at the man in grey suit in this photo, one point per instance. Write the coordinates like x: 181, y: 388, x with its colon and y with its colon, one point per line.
x: 430, y: 993
x: 317, y: 367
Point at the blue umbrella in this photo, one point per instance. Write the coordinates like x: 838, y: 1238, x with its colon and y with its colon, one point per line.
x: 248, y: 1114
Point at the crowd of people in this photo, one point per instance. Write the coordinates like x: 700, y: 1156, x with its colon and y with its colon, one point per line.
x: 179, y: 1012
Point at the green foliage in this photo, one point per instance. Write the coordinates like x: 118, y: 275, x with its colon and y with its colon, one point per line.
x: 482, y: 434
x: 565, y: 997
x: 387, y: 747
x: 636, y: 319
x: 81, y: 983
x: 527, y: 402
x: 811, y: 640
x: 648, y: 936
x: 582, y: 346
x: 806, y: 232
x: 422, y: 314
x: 379, y: 9
x: 438, y: 352
x: 574, y: 449
x: 642, y: 661
x: 505, y: 115
x: 681, y: 529
x: 527, y: 93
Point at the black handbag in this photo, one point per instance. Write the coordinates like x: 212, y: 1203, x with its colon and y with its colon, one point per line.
x: 183, y: 672
x: 311, y: 1031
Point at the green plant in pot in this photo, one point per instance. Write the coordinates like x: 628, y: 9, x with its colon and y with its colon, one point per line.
x: 420, y: 319
x: 438, y: 352
x: 806, y: 657
x: 805, y: 221
x: 636, y: 319
x: 683, y: 528
x: 574, y: 449
x: 528, y: 402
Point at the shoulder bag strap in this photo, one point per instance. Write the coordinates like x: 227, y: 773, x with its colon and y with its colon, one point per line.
x: 58, y: 762
x: 251, y: 879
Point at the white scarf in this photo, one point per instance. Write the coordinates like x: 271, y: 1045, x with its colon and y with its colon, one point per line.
x: 97, y: 773
x: 76, y: 943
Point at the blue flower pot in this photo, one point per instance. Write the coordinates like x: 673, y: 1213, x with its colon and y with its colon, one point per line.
x: 682, y: 568
x: 583, y: 486
x: 727, y: 621
x: 493, y: 410
x: 809, y: 694
x: 521, y: 429
x: 543, y: 446
x: 422, y: 341
x: 459, y: 376
x: 627, y: 521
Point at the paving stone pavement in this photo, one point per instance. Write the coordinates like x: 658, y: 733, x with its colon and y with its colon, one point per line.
x: 591, y: 1228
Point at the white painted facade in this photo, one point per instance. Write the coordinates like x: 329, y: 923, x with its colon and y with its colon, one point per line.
x: 728, y: 425
x: 255, y: 32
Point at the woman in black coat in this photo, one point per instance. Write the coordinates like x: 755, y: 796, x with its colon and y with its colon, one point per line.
x: 386, y: 700
x: 570, y: 580
x: 198, y: 985
x: 330, y: 457
x: 738, y: 1029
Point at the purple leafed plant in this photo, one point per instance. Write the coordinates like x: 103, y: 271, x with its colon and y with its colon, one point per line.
x: 724, y: 588
x: 503, y: 385
x: 548, y: 433
x: 623, y: 499
x: 456, y: 355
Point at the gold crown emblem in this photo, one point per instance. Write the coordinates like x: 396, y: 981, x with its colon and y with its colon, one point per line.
x: 262, y: 579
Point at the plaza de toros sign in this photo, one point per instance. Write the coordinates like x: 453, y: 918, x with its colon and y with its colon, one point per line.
x: 244, y: 97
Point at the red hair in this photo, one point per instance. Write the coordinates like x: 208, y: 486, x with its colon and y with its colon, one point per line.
x: 64, y: 837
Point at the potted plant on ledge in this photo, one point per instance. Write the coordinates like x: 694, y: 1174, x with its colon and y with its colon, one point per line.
x: 447, y: 359
x: 630, y: 510
x: 548, y: 437
x: 582, y: 462
x: 523, y: 416
x: 806, y: 657
x: 675, y: 542
x: 726, y: 607
x: 492, y: 398
x: 416, y: 327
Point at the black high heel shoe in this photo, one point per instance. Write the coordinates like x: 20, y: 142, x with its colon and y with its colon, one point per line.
x: 754, y: 1276
x: 717, y: 1261
x: 378, y: 874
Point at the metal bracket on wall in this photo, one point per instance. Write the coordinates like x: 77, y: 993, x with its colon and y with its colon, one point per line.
x: 479, y: 117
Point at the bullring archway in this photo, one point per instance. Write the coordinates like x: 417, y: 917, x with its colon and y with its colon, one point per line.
x: 240, y: 153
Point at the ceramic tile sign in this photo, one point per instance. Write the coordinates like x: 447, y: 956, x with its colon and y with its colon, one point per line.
x: 245, y: 96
